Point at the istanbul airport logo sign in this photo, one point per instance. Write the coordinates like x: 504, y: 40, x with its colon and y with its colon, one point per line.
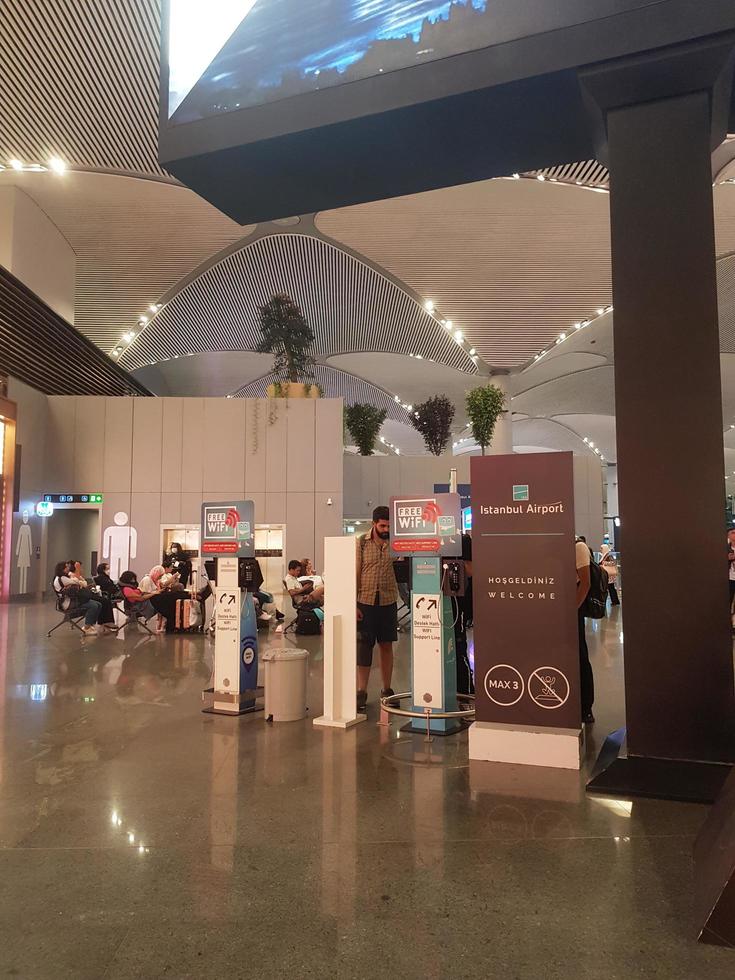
x: 522, y: 504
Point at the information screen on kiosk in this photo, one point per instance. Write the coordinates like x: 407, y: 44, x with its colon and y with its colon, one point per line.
x: 426, y: 525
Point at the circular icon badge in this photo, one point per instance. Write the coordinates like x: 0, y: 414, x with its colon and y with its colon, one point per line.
x: 548, y: 687
x: 248, y: 651
x: 504, y: 685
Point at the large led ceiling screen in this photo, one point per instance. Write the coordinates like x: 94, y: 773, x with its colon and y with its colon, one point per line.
x: 226, y: 55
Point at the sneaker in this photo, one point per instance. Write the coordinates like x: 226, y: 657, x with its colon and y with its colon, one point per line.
x: 265, y: 618
x: 280, y: 616
x: 361, y: 701
x: 89, y: 630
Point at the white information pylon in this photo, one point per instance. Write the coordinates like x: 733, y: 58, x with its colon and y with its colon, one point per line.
x: 340, y: 635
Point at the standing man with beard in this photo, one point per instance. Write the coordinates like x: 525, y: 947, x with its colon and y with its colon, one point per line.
x: 377, y: 609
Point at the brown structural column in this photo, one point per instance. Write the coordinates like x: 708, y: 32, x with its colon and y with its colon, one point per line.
x: 659, y: 114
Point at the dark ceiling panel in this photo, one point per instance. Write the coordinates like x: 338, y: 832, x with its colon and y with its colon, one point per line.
x: 41, y: 349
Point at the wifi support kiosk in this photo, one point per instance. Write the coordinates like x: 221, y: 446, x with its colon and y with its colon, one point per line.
x: 427, y: 530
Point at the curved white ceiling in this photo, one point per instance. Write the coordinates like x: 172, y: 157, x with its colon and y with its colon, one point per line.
x: 349, y: 304
x: 511, y: 262
x: 133, y: 239
x: 411, y: 379
x: 79, y: 80
x: 209, y: 374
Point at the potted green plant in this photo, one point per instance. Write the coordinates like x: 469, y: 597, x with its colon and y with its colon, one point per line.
x: 433, y: 420
x: 289, y: 338
x: 484, y: 407
x: 363, y: 423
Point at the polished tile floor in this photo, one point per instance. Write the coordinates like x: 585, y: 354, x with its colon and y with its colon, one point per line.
x: 142, y: 838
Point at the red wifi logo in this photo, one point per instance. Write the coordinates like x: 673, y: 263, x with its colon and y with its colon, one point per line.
x: 431, y: 512
x: 233, y: 517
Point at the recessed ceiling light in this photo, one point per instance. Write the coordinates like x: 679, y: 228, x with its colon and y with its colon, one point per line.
x: 58, y: 166
x: 459, y: 336
x: 540, y: 177
x: 142, y: 321
x: 16, y: 164
x: 428, y: 305
x: 472, y: 352
x: 154, y: 307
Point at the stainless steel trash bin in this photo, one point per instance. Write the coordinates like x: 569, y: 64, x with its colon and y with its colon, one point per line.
x: 285, y: 684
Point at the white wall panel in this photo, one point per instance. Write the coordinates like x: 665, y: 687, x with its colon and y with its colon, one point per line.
x: 256, y: 434
x: 88, y: 466
x: 300, y: 521
x: 275, y: 509
x: 117, y: 445
x: 301, y: 421
x: 147, y: 426
x: 192, y: 451
x: 171, y: 509
x: 223, y: 446
x: 329, y: 433
x: 191, y: 507
x: 61, y: 432
x: 327, y: 522
x: 276, y: 445
x: 172, y: 431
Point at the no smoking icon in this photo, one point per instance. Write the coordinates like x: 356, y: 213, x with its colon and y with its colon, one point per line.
x: 548, y: 687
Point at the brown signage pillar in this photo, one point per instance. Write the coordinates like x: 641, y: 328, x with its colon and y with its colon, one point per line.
x: 660, y: 117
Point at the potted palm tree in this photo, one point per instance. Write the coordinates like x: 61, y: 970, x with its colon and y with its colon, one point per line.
x: 289, y: 338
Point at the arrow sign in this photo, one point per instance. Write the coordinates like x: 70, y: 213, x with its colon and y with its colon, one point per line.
x: 432, y: 604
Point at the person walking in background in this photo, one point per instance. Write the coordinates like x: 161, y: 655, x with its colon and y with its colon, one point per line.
x: 586, y: 677
x: 607, y: 561
x: 377, y: 605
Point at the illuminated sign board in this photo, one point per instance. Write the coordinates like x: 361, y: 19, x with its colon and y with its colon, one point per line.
x: 229, y: 54
x: 73, y: 498
x: 228, y: 528
x: 44, y: 508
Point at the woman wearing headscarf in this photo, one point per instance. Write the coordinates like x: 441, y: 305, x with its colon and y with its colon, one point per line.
x: 607, y: 561
x: 149, y: 582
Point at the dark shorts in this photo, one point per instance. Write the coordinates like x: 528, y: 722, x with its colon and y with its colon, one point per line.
x: 379, y: 624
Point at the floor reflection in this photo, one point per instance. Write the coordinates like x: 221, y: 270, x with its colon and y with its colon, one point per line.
x: 143, y: 838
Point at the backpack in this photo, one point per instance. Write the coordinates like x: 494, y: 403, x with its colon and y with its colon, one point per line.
x: 595, y: 605
x: 307, y: 623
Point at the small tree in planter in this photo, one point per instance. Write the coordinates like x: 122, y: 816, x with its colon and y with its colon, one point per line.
x: 363, y: 423
x: 290, y: 339
x: 484, y: 407
x: 433, y: 420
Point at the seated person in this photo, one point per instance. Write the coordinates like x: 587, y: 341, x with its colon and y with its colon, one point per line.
x: 73, y: 597
x: 104, y: 583
x: 135, y: 598
x: 107, y: 616
x: 164, y: 602
x: 268, y: 605
x: 303, y: 592
x: 149, y: 582
x: 307, y: 572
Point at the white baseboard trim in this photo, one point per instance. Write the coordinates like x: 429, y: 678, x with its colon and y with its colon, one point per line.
x: 556, y: 748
